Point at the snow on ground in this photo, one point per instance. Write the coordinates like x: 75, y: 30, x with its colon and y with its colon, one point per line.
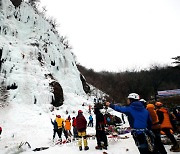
x: 31, y: 123
x: 22, y: 120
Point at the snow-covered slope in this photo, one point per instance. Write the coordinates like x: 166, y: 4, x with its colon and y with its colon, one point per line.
x: 37, y: 69
x: 33, y: 56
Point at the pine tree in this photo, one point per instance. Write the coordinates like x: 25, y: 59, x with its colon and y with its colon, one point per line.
x: 177, y: 60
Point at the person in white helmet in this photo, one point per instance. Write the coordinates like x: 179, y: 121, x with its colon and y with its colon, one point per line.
x: 140, y: 122
x: 143, y: 101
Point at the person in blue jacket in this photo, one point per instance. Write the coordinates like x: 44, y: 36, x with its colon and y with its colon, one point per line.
x: 139, y: 121
x: 90, y: 124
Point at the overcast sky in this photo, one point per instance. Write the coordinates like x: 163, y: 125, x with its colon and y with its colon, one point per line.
x: 116, y: 35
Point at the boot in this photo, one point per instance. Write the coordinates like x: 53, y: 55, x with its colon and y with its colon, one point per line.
x: 104, y: 147
x: 175, y: 148
x: 86, y: 148
x: 80, y: 148
x: 69, y: 140
x: 98, y: 147
x: 60, y: 140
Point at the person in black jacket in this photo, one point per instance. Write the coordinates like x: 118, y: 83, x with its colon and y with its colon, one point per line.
x: 100, y: 130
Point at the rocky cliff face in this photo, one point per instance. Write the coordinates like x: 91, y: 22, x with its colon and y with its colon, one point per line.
x: 36, y: 64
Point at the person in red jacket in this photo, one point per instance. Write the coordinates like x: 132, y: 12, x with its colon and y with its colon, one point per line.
x: 81, y: 125
x: 75, y: 135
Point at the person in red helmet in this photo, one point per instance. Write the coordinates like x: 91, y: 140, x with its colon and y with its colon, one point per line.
x: 58, y: 116
x: 68, y: 127
x: 58, y: 124
x: 81, y: 125
x: 80, y: 111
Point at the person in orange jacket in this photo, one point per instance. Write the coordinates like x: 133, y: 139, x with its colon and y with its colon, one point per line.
x: 159, y: 147
x: 68, y: 127
x: 165, y: 124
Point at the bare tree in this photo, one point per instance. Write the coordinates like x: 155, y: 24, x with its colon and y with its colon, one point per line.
x: 34, y: 4
x: 53, y: 22
x: 177, y: 60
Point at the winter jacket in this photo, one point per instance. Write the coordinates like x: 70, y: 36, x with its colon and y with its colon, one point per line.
x: 60, y: 122
x: 164, y: 119
x: 69, y: 118
x: 54, y: 124
x: 99, y: 120
x: 154, y: 117
x: 138, y: 116
x: 74, y: 123
x: 108, y: 119
x: 67, y: 125
x: 90, y: 118
x: 81, y: 123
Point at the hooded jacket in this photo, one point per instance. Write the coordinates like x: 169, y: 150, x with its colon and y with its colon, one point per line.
x: 138, y: 116
x: 154, y: 117
x: 164, y: 119
x: 67, y: 125
x: 99, y: 120
x: 81, y: 123
x: 54, y: 124
x: 60, y: 122
x: 74, y: 122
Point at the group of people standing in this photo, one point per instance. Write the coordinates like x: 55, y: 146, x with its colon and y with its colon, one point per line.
x: 102, y: 142
x: 61, y: 125
x: 79, y: 124
x: 146, y: 121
